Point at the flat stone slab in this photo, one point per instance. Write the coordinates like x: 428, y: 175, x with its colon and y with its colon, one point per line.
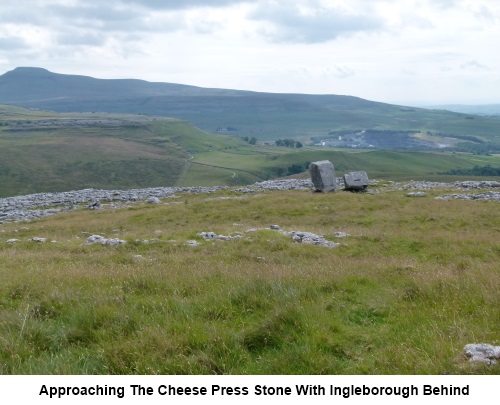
x: 356, y: 181
x: 323, y: 175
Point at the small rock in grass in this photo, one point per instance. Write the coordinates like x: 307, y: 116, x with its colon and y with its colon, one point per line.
x: 340, y: 234
x: 482, y: 353
x: 153, y: 200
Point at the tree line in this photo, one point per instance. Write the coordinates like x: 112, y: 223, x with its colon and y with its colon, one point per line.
x: 487, y: 170
x: 289, y: 143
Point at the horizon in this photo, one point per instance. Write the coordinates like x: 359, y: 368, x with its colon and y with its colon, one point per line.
x: 435, y: 53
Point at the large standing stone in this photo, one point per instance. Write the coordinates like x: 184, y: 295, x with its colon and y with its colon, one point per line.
x: 323, y: 175
x: 356, y: 181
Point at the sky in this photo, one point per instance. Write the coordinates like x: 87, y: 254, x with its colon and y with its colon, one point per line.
x: 413, y: 52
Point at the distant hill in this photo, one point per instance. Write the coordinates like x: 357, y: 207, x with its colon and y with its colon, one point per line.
x: 262, y: 115
x: 479, y: 109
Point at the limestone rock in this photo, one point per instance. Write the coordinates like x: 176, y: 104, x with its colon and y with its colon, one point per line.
x: 482, y: 353
x: 309, y: 238
x: 416, y: 194
x: 356, y: 181
x: 101, y: 240
x: 208, y: 235
x: 36, y: 239
x: 341, y: 234
x: 153, y: 200
x: 94, y: 206
x: 323, y: 175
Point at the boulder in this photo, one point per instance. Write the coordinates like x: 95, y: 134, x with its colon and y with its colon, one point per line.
x: 356, y: 181
x: 323, y: 175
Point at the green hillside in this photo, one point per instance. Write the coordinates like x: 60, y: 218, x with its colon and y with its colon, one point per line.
x: 266, y: 116
x: 43, y: 151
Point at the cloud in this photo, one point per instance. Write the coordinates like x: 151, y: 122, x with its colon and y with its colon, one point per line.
x: 473, y: 65
x: 311, y: 23
x: 83, y: 38
x: 90, y: 15
x: 341, y: 72
x: 444, y: 4
x: 12, y: 44
x: 182, y: 4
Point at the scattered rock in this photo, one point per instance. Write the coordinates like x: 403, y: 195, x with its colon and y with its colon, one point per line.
x: 341, y: 234
x: 275, y: 227
x: 289, y: 184
x: 323, y: 175
x: 94, y: 206
x: 193, y: 243
x: 101, y: 240
x: 41, y: 240
x: 213, y: 236
x: 482, y: 353
x: 489, y: 195
x: 356, y: 181
x: 153, y: 200
x: 208, y: 235
x: 309, y: 238
x: 416, y: 194
x: 13, y: 240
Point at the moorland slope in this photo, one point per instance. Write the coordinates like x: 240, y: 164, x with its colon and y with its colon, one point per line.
x: 258, y: 114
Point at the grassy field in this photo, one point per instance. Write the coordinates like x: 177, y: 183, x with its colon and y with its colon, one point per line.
x: 415, y: 281
x: 390, y: 165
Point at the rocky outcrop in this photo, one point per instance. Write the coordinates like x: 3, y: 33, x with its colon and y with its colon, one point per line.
x: 489, y: 195
x: 33, y: 206
x: 431, y: 185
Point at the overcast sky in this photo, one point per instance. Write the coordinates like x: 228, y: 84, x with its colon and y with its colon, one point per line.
x: 415, y: 52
